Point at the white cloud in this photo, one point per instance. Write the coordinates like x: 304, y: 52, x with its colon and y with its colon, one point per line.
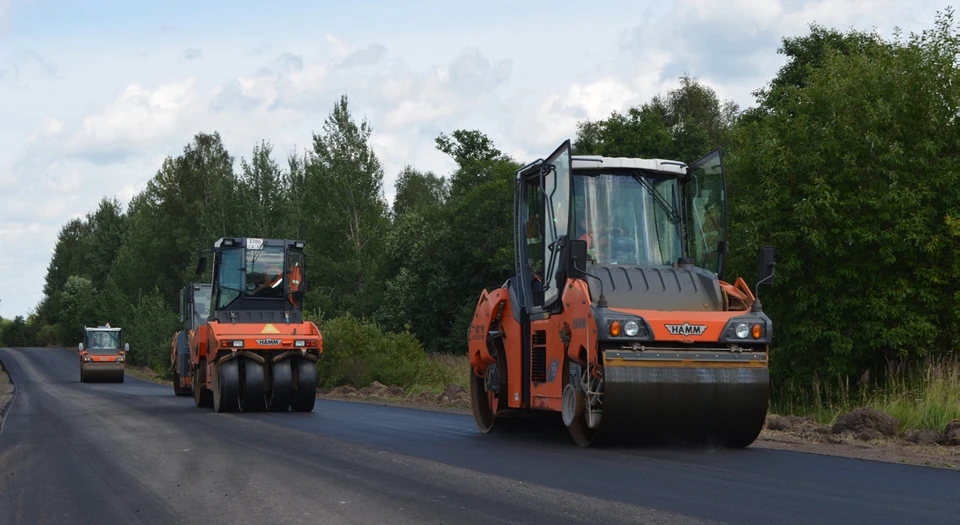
x: 139, y: 116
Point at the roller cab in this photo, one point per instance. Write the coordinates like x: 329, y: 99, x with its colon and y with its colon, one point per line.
x: 619, y: 317
x: 102, y: 354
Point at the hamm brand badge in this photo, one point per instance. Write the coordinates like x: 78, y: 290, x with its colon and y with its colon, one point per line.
x: 265, y: 342
x: 686, y: 329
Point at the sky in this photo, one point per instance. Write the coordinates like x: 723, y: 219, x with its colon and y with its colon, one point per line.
x: 94, y: 94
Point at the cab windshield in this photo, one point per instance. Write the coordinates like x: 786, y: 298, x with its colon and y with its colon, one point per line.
x: 103, y: 342
x: 256, y: 273
x: 627, y: 218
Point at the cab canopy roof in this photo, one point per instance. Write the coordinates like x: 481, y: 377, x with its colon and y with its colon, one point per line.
x: 102, y: 328
x: 256, y: 243
x: 597, y: 162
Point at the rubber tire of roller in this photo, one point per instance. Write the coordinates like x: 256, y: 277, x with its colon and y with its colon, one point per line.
x: 305, y: 396
x: 226, y: 386
x: 281, y: 387
x: 251, y: 389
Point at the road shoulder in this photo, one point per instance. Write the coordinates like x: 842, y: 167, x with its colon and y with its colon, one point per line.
x: 6, y: 393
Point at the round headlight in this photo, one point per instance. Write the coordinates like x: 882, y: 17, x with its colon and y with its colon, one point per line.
x: 631, y: 328
x: 742, y: 330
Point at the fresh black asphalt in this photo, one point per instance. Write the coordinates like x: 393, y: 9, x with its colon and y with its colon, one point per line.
x: 135, y: 453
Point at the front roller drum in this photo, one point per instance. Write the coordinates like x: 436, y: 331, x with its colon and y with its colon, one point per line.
x: 95, y: 374
x: 305, y: 391
x: 728, y: 404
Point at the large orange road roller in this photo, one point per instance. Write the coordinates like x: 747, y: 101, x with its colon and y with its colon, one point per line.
x: 245, y: 345
x: 618, y: 317
x: 103, y: 354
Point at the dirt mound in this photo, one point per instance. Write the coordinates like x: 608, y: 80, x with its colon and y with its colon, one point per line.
x: 345, y: 390
x: 394, y: 390
x: 426, y: 396
x: 951, y: 434
x: 866, y: 424
x: 376, y: 389
x: 923, y: 437
x: 803, y: 426
x: 454, y: 395
x: 786, y: 423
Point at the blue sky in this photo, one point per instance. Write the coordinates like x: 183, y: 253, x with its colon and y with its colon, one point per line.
x: 96, y: 93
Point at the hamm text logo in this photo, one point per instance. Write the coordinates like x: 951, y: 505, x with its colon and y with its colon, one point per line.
x: 266, y: 342
x: 686, y: 329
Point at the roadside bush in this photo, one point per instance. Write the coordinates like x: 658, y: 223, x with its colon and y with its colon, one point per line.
x: 48, y: 335
x: 357, y: 352
x: 150, y: 327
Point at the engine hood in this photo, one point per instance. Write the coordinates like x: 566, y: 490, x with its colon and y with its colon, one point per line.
x: 656, y: 288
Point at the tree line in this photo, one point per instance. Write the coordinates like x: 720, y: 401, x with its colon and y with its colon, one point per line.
x: 847, y: 164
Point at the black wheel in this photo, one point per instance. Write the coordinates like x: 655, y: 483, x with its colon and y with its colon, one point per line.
x: 305, y: 395
x: 574, y: 412
x: 251, y: 390
x: 177, y: 389
x: 281, y: 387
x: 202, y: 397
x: 490, y: 402
x: 226, y: 386
x: 484, y: 403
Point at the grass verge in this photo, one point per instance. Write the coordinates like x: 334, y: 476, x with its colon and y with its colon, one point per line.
x: 146, y: 374
x: 923, y: 397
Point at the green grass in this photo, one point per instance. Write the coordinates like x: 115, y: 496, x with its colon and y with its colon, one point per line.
x: 925, y: 396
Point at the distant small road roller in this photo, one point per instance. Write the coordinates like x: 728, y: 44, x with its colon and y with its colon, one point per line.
x: 103, y: 355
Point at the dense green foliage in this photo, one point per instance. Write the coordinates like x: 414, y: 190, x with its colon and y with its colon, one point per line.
x: 847, y: 165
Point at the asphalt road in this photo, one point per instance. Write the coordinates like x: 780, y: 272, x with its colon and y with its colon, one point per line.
x: 135, y: 453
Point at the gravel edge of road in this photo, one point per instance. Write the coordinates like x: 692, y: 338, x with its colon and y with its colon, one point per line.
x: 8, y: 390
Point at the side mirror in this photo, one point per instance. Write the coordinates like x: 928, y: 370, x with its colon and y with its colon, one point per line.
x: 126, y: 347
x: 80, y: 347
x: 576, y: 258
x: 201, y: 264
x: 767, y: 265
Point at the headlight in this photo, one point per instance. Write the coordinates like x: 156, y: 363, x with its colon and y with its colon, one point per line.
x: 299, y: 343
x: 634, y: 329
x: 742, y: 331
x: 747, y: 329
x: 238, y: 344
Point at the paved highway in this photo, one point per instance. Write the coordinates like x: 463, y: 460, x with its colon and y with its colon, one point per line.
x: 135, y: 453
